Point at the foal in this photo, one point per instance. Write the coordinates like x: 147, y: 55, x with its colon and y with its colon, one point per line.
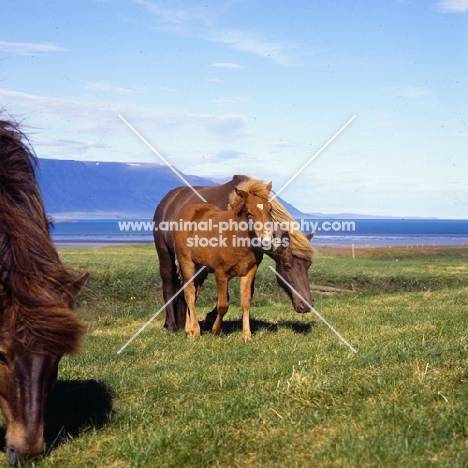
x: 228, y: 244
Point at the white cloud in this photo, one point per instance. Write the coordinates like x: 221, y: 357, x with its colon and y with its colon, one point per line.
x: 233, y: 66
x: 452, y: 6
x: 229, y: 154
x: 106, y: 87
x: 246, y: 41
x: 75, y: 145
x: 96, y: 121
x: 28, y: 48
x: 203, y: 22
x: 98, y: 86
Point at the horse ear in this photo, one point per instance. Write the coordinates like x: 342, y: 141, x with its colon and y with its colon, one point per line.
x: 241, y: 193
x: 269, y: 186
x: 74, y: 287
x: 310, y: 235
x: 240, y: 205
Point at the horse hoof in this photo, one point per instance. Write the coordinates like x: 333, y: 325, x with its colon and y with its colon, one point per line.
x: 171, y: 327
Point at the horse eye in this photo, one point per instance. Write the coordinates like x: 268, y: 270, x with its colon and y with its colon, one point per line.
x: 287, y: 266
x: 3, y: 359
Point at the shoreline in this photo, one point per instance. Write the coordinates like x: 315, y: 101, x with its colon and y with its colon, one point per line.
x: 328, y: 243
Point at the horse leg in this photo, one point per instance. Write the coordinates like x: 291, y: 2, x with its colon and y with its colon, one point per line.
x: 192, y: 328
x: 223, y: 302
x: 246, y: 291
x: 210, y: 318
x: 198, y: 282
x: 207, y: 323
x: 170, y: 285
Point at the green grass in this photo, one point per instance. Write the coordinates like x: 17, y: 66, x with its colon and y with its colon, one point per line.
x: 295, y: 396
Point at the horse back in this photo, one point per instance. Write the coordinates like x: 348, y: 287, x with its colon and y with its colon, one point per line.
x: 198, y: 212
x: 179, y: 198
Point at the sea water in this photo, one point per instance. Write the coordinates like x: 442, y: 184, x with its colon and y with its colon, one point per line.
x: 332, y: 232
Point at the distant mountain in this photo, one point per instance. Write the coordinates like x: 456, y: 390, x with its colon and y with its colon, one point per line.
x: 86, y: 190
x: 82, y: 189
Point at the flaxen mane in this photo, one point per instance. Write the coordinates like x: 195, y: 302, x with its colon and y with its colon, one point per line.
x: 34, y: 285
x: 300, y: 245
x: 253, y: 186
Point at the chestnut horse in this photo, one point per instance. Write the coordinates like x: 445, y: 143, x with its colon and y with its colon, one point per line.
x: 293, y: 258
x: 37, y: 325
x: 228, y: 244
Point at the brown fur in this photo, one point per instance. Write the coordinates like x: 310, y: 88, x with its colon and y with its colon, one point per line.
x: 292, y: 266
x: 37, y: 325
x: 225, y: 261
x: 35, y: 283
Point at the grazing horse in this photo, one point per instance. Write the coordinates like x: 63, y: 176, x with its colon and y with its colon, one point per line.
x: 293, y: 257
x: 228, y: 244
x: 37, y: 325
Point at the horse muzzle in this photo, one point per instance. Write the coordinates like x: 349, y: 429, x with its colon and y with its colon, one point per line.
x: 19, y: 449
x: 15, y: 456
x: 268, y: 244
x: 302, y: 307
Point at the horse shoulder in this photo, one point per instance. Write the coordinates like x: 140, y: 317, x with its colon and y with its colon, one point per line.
x: 197, y: 212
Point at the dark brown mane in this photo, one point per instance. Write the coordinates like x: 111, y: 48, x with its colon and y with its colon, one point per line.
x: 33, y: 281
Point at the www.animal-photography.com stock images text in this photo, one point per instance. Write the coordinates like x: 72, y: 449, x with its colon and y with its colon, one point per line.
x: 233, y: 234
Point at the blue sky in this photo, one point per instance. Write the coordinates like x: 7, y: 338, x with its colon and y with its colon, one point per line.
x: 255, y: 87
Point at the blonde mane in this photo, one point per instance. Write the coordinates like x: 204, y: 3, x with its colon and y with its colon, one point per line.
x: 254, y: 186
x: 300, y: 245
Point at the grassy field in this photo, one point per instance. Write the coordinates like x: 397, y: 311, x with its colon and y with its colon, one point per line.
x: 293, y: 397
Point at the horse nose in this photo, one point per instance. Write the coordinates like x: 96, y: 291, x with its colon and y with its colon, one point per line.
x: 13, y: 456
x: 266, y: 238
x: 267, y: 241
x: 16, y: 455
x: 303, y: 307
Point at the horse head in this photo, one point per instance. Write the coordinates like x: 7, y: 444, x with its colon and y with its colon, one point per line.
x: 257, y: 209
x: 32, y: 342
x: 292, y: 267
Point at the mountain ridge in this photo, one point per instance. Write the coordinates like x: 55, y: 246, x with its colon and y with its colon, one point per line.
x: 97, y: 190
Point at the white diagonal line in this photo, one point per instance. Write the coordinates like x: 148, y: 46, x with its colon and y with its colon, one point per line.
x: 156, y: 152
x: 159, y: 311
x: 313, y: 157
x: 314, y: 311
